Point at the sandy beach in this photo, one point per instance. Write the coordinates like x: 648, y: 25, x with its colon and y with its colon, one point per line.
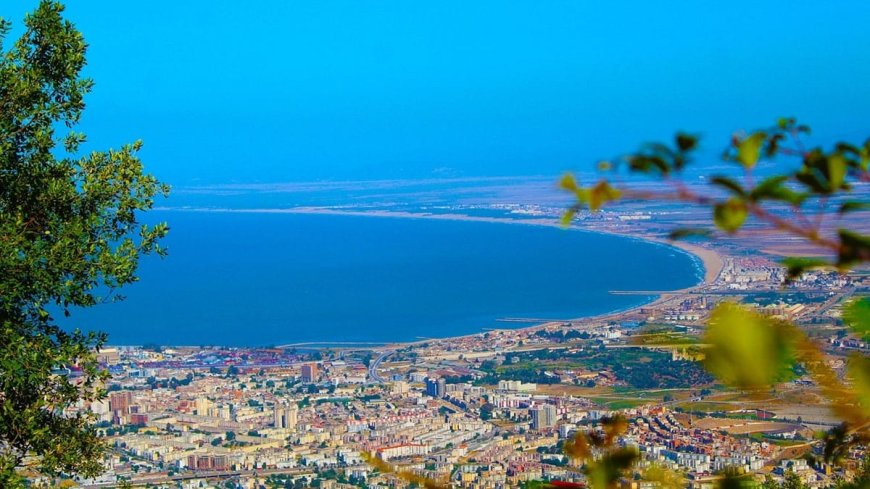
x: 712, y: 260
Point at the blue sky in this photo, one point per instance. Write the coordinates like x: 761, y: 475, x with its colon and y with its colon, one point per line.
x: 292, y: 91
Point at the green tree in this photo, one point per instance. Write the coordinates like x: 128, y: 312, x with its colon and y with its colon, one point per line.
x: 486, y: 411
x: 769, y: 483
x: 69, y: 238
x: 793, y: 481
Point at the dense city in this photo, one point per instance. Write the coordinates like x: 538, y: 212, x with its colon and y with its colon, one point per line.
x: 489, y: 410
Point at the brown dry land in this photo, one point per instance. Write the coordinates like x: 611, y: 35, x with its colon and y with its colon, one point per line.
x: 741, y: 427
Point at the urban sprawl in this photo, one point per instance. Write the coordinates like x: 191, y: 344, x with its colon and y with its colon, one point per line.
x: 488, y: 410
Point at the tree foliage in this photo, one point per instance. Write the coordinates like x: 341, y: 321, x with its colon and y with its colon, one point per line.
x: 746, y: 349
x: 796, y: 201
x: 69, y: 238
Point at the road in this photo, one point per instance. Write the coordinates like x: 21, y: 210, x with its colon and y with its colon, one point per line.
x: 162, y: 479
x: 373, y: 367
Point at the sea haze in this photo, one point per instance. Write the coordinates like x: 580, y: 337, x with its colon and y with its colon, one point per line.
x: 256, y: 279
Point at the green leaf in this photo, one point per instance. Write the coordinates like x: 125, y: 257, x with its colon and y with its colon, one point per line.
x: 728, y: 184
x: 736, y: 479
x: 646, y: 164
x: 730, y: 215
x: 785, y: 123
x: 859, y: 371
x: 602, y: 193
x: 812, y: 181
x: 568, y: 182
x: 796, y: 265
x: 837, y: 166
x: 605, y: 472
x: 854, y: 248
x: 749, y: 149
x: 773, y: 145
x: 568, y: 216
x: 772, y: 188
x: 746, y: 349
x: 686, y: 142
x: 856, y: 315
x: 848, y: 148
x: 854, y: 206
x: 864, y: 162
x: 663, y: 477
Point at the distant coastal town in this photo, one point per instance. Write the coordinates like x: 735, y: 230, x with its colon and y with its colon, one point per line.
x: 491, y: 409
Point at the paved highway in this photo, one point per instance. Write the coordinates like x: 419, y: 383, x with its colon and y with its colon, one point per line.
x: 373, y: 368
x: 162, y: 479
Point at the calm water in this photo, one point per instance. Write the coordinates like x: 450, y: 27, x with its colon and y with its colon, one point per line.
x: 267, y: 279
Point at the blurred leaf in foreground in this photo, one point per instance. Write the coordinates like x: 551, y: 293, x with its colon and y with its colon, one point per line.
x: 735, y: 478
x: 749, y: 149
x: 856, y: 315
x: 730, y: 215
x: 797, y: 265
x: 747, y: 350
x: 605, y: 472
x: 859, y: 373
x: 411, y: 477
x: 663, y: 477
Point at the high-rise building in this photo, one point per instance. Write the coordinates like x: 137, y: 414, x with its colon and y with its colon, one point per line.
x: 285, y: 416
x: 120, y: 401
x: 101, y: 409
x: 291, y: 416
x: 120, y: 404
x: 431, y: 387
x: 543, y: 417
x: 436, y: 387
x: 400, y: 387
x: 309, y: 373
x: 225, y: 411
x: 204, y: 407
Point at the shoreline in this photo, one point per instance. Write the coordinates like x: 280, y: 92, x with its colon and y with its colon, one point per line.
x: 710, y: 260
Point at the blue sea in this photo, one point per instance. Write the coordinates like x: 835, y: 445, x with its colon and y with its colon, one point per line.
x: 257, y: 279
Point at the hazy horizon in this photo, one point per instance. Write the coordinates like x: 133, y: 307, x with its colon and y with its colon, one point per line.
x: 289, y: 91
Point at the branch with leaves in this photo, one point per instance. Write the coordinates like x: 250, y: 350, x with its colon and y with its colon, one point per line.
x: 780, y: 202
x: 745, y: 349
